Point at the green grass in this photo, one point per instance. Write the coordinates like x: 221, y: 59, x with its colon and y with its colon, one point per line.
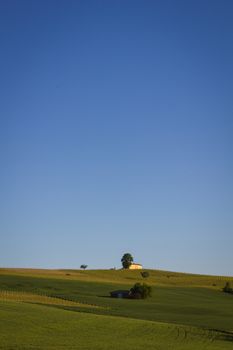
x: 37, y: 327
x: 185, y: 311
x: 157, y: 277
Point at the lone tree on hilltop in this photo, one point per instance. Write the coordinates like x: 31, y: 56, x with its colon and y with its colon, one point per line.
x: 126, y: 260
x: 83, y: 267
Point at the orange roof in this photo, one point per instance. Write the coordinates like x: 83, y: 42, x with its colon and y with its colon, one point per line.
x: 136, y: 264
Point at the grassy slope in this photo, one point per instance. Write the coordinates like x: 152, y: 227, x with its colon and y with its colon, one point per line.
x: 26, y: 326
x: 190, y: 300
x: 157, y: 277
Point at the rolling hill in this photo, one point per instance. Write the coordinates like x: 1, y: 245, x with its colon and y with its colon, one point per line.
x: 71, y: 309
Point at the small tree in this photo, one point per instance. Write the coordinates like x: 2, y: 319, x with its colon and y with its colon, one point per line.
x: 227, y: 288
x: 140, y: 291
x: 83, y: 267
x: 126, y: 260
x: 145, y: 274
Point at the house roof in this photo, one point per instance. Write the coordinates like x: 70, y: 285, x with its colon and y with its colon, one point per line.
x: 136, y: 264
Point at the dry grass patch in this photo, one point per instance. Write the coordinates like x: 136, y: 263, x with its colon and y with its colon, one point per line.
x: 26, y: 297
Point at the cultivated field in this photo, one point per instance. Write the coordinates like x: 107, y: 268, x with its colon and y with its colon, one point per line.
x: 71, y: 309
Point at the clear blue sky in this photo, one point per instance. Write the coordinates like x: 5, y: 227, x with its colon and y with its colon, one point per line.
x: 116, y: 134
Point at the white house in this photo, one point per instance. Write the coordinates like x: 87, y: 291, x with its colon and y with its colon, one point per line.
x: 134, y: 266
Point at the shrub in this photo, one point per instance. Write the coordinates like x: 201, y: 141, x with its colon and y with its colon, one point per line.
x: 227, y: 288
x: 145, y: 274
x: 140, y: 291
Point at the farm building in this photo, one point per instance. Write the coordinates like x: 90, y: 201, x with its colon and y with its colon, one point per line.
x: 135, y: 266
x: 120, y: 294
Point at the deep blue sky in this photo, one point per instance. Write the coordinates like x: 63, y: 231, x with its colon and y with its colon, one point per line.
x: 116, y: 134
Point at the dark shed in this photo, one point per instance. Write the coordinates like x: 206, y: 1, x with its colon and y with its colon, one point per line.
x: 120, y: 294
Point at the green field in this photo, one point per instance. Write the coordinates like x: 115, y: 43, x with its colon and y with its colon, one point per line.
x: 71, y: 309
